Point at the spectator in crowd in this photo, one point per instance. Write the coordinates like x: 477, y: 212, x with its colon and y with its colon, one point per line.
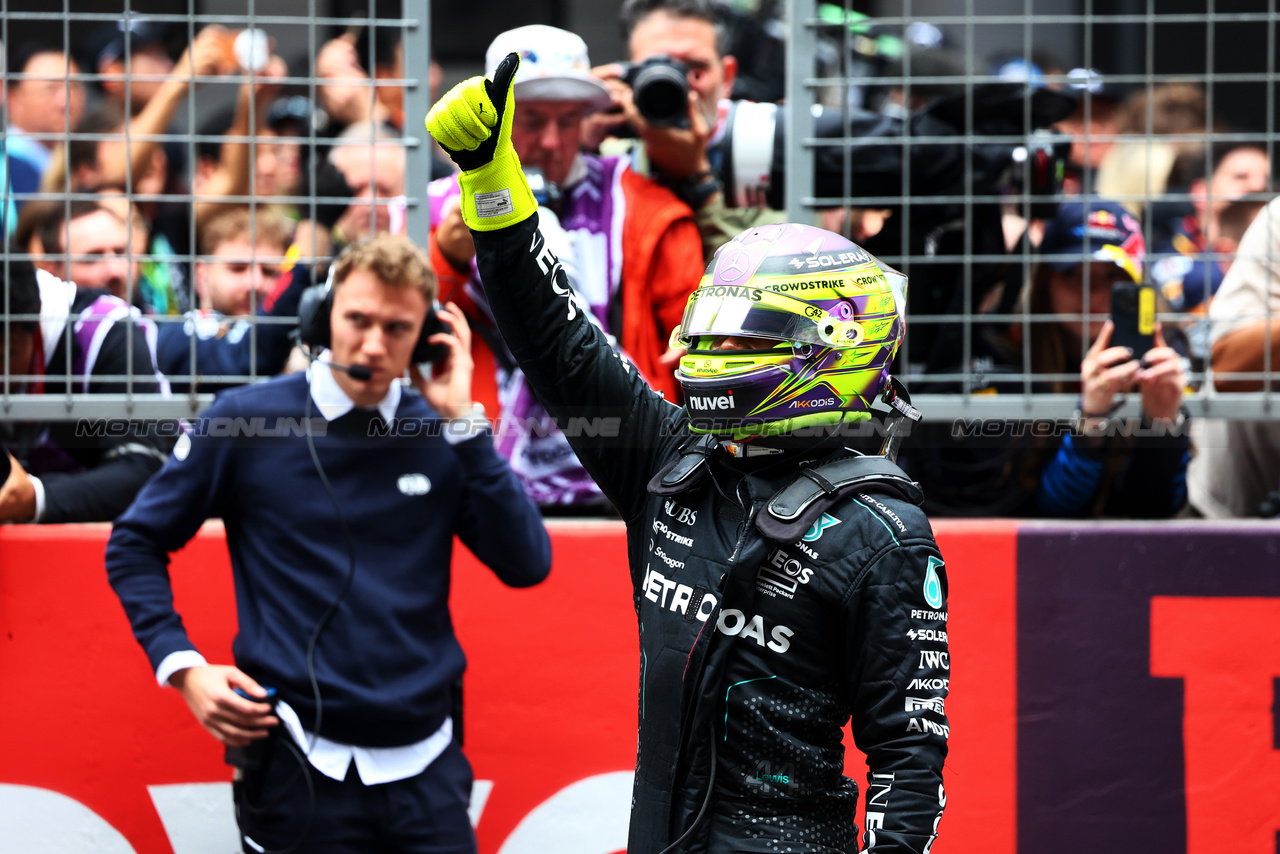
x: 243, y: 270
x: 1143, y: 167
x: 158, y: 274
x: 1096, y: 470
x: 83, y: 241
x: 692, y: 161
x: 280, y: 159
x: 87, y: 342
x: 1092, y: 127
x: 231, y: 176
x: 1233, y: 222
x: 157, y: 277
x: 137, y: 163
x: 1237, y: 463
x: 370, y: 160
x: 350, y: 621
x: 1186, y: 276
x: 631, y: 248
x: 277, y: 153
x: 132, y: 55
x: 343, y: 87
x: 44, y: 102
x: 343, y: 84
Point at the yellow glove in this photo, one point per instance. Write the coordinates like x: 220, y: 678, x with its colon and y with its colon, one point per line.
x: 495, y: 193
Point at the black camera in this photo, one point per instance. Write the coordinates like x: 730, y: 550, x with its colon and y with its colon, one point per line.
x: 545, y: 192
x: 1038, y: 170
x: 660, y: 87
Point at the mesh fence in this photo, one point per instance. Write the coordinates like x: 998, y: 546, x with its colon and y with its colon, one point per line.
x: 972, y: 145
x: 942, y: 136
x: 137, y: 157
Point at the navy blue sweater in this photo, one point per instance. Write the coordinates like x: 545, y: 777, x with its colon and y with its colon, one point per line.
x: 387, y: 659
x: 236, y: 351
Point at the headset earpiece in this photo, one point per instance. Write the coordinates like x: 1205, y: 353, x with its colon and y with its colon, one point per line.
x: 315, y: 310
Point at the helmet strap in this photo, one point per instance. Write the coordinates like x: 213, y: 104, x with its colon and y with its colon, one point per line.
x: 900, y: 411
x: 742, y: 450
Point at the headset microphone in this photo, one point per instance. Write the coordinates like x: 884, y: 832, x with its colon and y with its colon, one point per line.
x: 356, y: 372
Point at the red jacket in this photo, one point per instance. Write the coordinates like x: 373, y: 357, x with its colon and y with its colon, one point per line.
x: 662, y: 264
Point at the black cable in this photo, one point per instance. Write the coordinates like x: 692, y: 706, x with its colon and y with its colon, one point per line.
x: 346, y: 586
x: 304, y: 769
x: 303, y: 762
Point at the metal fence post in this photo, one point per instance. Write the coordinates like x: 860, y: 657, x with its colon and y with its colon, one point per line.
x: 417, y: 101
x: 798, y: 111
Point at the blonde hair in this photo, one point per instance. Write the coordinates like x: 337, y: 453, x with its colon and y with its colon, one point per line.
x: 395, y: 261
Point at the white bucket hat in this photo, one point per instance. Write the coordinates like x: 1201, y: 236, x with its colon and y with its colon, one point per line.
x: 553, y: 66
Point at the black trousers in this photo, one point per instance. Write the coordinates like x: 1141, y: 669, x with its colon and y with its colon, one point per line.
x: 277, y: 810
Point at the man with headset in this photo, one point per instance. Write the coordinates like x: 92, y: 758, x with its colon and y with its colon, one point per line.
x: 341, y: 492
x: 784, y: 586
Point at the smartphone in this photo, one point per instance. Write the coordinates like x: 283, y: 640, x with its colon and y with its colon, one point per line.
x: 435, y: 323
x: 1133, y: 311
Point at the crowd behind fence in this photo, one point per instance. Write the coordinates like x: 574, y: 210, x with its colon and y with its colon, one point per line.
x: 1030, y: 193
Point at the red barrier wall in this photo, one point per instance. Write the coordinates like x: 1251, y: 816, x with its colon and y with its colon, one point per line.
x: 550, y: 689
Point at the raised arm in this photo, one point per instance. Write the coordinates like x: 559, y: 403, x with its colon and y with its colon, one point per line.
x: 199, y: 60
x: 235, y: 163
x: 614, y: 421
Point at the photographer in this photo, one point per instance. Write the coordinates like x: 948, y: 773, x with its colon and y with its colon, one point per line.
x: 1099, y: 469
x: 684, y: 137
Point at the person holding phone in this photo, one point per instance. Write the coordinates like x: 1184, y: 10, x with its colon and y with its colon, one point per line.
x: 1105, y: 465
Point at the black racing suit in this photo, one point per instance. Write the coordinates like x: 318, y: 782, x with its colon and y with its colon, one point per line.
x: 753, y: 653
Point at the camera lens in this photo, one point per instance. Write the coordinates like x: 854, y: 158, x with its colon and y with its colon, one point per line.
x: 662, y: 94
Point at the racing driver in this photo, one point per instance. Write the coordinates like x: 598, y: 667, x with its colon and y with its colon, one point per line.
x: 784, y: 585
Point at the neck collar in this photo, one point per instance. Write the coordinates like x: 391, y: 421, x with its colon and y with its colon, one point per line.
x: 333, y: 402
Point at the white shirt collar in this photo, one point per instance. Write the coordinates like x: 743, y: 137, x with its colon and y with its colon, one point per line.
x: 577, y: 171
x: 56, y: 297
x: 333, y: 402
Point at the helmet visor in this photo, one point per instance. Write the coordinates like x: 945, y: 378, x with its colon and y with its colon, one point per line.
x: 758, y: 313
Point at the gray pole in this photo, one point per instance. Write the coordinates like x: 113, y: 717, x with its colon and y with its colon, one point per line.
x: 417, y: 101
x: 798, y: 113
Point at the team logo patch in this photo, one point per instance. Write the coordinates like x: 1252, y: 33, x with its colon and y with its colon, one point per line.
x: 815, y: 530
x: 933, y: 584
